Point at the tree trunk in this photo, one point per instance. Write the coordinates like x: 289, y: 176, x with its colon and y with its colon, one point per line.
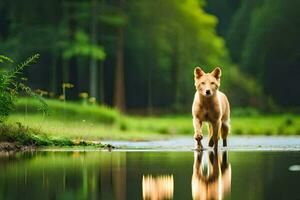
x: 73, y: 71
x: 101, y: 64
x: 65, y: 66
x: 119, y: 93
x: 101, y: 82
x: 149, y: 106
x: 93, y: 61
x: 53, y: 73
x: 70, y: 68
x: 175, y: 75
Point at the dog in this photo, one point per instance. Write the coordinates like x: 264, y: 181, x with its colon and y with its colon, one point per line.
x: 210, y: 105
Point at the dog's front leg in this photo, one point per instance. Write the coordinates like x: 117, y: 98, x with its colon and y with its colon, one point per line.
x: 198, y: 132
x: 216, y: 129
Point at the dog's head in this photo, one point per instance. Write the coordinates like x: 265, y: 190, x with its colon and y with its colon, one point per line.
x: 207, y: 84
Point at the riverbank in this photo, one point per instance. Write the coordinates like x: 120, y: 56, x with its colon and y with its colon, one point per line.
x: 149, y: 128
x: 94, y: 122
x: 14, y: 147
x: 17, y: 137
x: 76, y: 124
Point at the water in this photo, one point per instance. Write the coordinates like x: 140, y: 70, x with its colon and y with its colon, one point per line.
x: 152, y: 175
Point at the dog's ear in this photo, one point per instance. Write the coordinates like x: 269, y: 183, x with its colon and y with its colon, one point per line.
x: 198, y: 72
x: 217, y: 73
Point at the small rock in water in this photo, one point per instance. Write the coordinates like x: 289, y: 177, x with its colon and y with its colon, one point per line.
x: 294, y: 168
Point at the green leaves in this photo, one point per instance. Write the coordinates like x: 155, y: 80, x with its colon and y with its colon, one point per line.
x: 83, y: 47
x: 5, y: 59
x: 7, y: 78
x: 168, y: 39
x: 113, y: 19
x: 10, y: 87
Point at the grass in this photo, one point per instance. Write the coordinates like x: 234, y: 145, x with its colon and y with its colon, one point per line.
x: 69, y: 111
x: 28, y: 136
x: 75, y: 122
x: 283, y: 124
x: 80, y: 129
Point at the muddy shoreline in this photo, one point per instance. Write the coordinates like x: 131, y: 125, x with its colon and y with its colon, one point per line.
x: 236, y: 143
x: 7, y: 148
x: 12, y: 147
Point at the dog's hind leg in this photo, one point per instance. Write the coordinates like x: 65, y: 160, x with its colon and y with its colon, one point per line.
x: 224, y: 132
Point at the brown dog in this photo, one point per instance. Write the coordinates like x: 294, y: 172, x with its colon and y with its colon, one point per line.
x: 210, y: 105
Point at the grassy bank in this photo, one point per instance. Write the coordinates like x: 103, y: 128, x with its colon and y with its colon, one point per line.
x: 15, y: 136
x: 240, y: 125
x: 77, y: 122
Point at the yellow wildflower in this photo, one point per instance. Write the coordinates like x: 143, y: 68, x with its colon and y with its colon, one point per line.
x: 84, y: 95
x: 61, y: 97
x: 92, y: 100
x: 67, y: 85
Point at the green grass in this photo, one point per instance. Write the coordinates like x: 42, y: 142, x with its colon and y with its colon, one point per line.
x: 266, y: 125
x: 240, y: 125
x: 76, y: 122
x: 80, y: 130
x: 69, y: 111
x: 29, y: 136
x: 23, y: 135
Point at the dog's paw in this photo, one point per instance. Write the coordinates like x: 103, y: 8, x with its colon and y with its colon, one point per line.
x: 198, y: 137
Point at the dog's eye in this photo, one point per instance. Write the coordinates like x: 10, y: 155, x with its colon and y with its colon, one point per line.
x: 212, y: 83
x: 203, y: 83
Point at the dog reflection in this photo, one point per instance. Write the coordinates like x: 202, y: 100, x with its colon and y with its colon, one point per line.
x: 158, y: 188
x: 211, y: 175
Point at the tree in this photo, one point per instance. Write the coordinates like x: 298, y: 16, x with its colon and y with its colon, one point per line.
x: 239, y: 28
x: 224, y: 10
x: 169, y: 38
x: 93, y: 62
x: 272, y: 52
x: 151, y: 47
x: 119, y: 92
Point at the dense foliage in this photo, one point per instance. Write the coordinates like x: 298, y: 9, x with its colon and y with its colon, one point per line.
x: 141, y: 54
x: 263, y: 38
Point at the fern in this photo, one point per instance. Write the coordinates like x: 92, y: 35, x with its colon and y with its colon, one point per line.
x: 5, y: 58
x: 10, y: 87
x: 8, y: 78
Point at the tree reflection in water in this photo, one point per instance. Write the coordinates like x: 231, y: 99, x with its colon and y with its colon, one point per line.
x: 211, y: 175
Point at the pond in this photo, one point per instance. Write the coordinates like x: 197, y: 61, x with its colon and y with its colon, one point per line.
x: 150, y: 175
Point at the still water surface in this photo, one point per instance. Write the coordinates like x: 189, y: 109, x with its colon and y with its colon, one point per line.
x: 150, y: 175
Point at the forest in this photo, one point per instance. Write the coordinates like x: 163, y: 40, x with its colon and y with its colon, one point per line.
x: 139, y: 56
x: 97, y: 99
